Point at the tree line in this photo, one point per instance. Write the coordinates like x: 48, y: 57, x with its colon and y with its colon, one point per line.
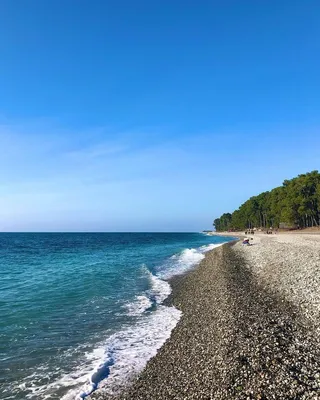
x: 294, y: 204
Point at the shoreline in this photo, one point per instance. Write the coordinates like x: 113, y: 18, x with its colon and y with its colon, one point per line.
x: 111, y: 392
x: 177, y: 281
x: 240, y: 336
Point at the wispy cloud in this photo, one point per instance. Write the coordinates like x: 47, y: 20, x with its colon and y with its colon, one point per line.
x: 97, y: 151
x: 45, y: 173
x: 58, y: 179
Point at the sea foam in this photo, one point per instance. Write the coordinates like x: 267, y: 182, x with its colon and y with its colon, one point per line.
x: 181, y: 263
x: 127, y: 352
x: 119, y: 358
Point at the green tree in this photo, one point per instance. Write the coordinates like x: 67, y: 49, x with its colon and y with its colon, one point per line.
x: 297, y: 201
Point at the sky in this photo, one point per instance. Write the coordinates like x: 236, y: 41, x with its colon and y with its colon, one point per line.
x: 152, y: 115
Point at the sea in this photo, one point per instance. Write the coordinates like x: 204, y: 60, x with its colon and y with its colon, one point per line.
x: 81, y: 311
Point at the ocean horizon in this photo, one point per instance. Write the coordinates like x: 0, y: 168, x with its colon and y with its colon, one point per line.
x: 84, y: 310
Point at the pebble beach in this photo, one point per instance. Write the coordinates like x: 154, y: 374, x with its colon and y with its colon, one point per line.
x: 249, y: 329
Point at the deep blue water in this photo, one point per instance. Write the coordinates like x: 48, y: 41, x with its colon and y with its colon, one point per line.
x: 84, y: 309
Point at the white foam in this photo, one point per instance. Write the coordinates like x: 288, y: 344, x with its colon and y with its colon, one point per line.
x: 160, y: 289
x: 125, y: 354
x: 132, y: 348
x: 186, y: 260
x: 138, y: 306
x: 120, y: 358
x: 180, y: 263
x: 79, y: 377
x: 210, y: 246
x: 158, y: 292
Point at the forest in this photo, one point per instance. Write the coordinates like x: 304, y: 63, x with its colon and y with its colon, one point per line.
x: 295, y: 204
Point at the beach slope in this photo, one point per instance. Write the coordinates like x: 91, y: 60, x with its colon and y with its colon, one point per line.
x: 246, y: 331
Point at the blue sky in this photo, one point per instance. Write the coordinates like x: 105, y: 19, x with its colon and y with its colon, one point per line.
x: 152, y: 115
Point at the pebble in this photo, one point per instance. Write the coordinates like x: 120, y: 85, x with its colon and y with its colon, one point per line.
x: 244, y: 333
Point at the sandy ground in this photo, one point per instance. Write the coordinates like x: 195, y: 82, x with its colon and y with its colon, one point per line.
x: 250, y: 326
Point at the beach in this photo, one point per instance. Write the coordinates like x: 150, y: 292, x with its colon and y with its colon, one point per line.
x: 89, y: 310
x: 249, y: 329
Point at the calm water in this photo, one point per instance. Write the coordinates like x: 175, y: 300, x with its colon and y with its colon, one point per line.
x: 81, y: 310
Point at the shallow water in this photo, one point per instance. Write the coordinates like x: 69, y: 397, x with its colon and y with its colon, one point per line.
x: 80, y: 310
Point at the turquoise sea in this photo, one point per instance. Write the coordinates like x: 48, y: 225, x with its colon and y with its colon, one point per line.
x: 84, y: 310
